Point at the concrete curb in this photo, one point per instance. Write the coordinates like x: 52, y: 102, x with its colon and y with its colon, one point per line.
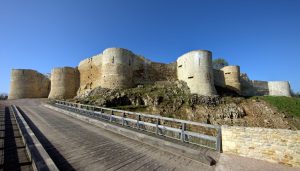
x: 150, y: 140
x: 36, y: 152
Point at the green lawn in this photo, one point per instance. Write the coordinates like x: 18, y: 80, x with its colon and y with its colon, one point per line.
x: 290, y: 105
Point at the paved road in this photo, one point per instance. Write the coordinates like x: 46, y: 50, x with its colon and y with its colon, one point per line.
x: 74, y: 144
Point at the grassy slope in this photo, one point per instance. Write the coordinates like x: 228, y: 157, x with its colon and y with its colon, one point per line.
x: 284, y: 104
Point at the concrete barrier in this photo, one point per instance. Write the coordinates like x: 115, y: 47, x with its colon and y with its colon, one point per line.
x: 36, y: 152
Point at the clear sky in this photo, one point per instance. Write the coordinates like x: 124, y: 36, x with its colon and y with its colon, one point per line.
x: 262, y: 36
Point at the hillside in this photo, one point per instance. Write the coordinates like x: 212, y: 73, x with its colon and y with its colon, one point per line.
x: 172, y: 99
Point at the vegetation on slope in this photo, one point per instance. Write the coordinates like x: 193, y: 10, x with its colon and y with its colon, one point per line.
x: 288, y: 105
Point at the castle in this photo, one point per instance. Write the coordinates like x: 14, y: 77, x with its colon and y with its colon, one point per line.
x: 118, y: 68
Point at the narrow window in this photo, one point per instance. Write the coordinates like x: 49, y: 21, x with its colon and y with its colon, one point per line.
x: 190, y: 77
x: 179, y: 66
x: 113, y: 59
x: 227, y: 72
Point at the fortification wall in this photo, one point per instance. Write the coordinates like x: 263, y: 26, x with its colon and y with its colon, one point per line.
x: 26, y: 83
x: 246, y: 85
x: 274, y: 145
x: 120, y: 68
x: 162, y: 72
x: 195, y: 68
x: 147, y: 72
x: 117, y: 70
x: 232, y: 78
x: 64, y: 83
x: 90, y: 73
x: 260, y: 88
x: 141, y: 67
x: 279, y: 88
x: 219, y: 78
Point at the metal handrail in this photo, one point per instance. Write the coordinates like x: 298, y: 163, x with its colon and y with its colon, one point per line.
x: 182, y: 132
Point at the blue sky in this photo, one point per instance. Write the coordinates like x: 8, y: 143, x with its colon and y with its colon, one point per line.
x: 262, y: 36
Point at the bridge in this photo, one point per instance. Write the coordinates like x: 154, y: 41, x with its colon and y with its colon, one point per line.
x: 38, y: 135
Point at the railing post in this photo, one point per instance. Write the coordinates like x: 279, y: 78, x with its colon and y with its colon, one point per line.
x: 183, y: 125
x: 123, y: 120
x: 219, y: 137
x: 138, y: 122
x: 101, y: 113
x: 112, y: 113
x: 157, y: 128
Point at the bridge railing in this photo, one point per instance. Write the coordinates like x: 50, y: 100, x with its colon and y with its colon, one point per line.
x: 201, y: 134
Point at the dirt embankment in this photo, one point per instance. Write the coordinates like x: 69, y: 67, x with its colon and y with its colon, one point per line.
x: 174, y: 100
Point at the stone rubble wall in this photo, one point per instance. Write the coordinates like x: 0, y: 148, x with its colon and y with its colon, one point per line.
x: 90, y: 72
x: 273, y: 145
x: 27, y: 83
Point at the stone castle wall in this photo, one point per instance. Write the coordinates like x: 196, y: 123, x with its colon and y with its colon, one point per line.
x: 195, y: 68
x: 228, y: 77
x: 26, y: 83
x: 64, y: 83
x: 279, y: 88
x: 90, y: 72
x: 232, y: 78
x: 117, y: 70
x: 120, y: 68
x: 273, y: 145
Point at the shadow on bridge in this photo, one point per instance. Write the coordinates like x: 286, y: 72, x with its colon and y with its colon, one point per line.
x: 12, y: 146
x: 58, y: 159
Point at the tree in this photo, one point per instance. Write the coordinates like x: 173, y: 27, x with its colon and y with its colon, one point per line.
x: 219, y: 63
x: 3, y: 96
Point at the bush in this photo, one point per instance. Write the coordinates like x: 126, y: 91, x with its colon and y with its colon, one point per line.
x: 3, y: 96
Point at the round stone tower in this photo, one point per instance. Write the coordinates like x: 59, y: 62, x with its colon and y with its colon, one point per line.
x: 64, y: 83
x: 279, y: 88
x: 232, y: 78
x: 195, y: 68
x: 117, y: 68
x: 27, y: 83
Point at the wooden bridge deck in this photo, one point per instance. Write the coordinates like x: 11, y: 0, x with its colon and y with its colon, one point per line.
x: 76, y: 145
x: 13, y: 154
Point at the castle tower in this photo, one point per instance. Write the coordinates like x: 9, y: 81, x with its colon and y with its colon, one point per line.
x: 27, y: 83
x: 64, y: 83
x: 279, y: 88
x: 232, y: 78
x: 117, y: 70
x: 195, y: 68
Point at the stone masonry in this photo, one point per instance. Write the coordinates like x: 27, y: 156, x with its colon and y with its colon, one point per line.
x: 273, y: 145
x: 117, y: 68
